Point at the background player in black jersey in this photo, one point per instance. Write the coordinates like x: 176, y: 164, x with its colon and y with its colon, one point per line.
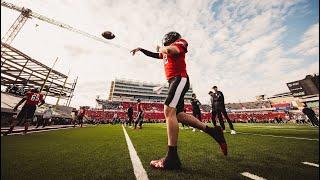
x: 130, y: 115
x: 184, y: 126
x: 195, y: 108
x: 218, y: 108
x: 311, y: 115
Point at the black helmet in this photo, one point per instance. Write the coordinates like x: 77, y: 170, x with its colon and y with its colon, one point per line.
x: 170, y: 38
x: 36, y: 90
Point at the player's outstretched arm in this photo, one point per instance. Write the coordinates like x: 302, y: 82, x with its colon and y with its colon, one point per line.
x: 146, y: 52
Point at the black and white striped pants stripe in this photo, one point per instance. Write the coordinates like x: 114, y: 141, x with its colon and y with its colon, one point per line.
x: 178, y: 86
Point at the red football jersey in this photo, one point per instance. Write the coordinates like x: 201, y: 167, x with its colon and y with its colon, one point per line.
x: 33, y: 98
x: 139, y: 107
x: 176, y: 65
x: 82, y: 112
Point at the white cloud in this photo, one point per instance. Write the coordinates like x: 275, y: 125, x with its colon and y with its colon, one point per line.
x: 309, y: 45
x: 238, y: 47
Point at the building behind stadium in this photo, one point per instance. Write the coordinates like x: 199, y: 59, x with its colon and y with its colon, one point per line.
x: 304, y: 91
x: 130, y: 90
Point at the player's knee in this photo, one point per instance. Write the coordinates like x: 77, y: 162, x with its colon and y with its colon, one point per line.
x: 181, y: 116
x: 169, y: 111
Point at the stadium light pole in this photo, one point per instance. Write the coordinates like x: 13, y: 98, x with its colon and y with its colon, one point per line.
x: 47, y: 92
x: 45, y: 81
x: 71, y: 94
x: 64, y: 84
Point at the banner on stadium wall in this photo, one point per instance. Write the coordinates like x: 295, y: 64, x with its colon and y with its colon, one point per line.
x: 282, y: 108
x: 252, y: 110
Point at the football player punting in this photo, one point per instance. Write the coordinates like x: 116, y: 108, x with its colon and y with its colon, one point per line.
x: 173, y: 55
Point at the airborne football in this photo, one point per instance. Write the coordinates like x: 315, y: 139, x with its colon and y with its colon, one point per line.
x: 108, y: 35
x: 152, y: 90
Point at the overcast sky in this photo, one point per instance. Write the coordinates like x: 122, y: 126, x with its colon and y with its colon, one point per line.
x: 245, y: 47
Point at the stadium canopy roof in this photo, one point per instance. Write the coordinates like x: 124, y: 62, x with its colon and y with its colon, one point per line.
x: 19, y: 69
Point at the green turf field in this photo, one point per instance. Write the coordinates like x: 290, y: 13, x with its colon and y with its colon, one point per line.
x: 100, y: 152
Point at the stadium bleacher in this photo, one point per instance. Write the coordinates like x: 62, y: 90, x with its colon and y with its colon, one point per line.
x: 154, y: 111
x: 249, y: 105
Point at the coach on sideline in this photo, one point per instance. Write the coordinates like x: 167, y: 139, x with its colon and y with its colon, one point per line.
x: 218, y: 108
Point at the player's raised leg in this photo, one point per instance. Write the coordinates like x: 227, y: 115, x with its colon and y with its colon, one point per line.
x: 215, y: 132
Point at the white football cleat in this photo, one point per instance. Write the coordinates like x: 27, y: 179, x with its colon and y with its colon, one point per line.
x: 233, y: 132
x: 194, y: 130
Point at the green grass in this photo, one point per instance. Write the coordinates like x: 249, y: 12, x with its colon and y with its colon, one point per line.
x: 101, y: 153
x: 82, y: 153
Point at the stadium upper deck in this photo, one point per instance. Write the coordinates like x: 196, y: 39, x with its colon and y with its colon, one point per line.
x: 131, y: 90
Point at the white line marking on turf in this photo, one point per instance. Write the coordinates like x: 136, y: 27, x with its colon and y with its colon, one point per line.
x: 138, y: 169
x: 286, y: 137
x: 39, y: 131
x: 311, y: 164
x: 252, y: 176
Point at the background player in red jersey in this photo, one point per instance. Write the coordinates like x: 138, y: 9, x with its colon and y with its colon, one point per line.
x: 32, y: 98
x: 173, y: 55
x: 81, y: 115
x: 139, y: 119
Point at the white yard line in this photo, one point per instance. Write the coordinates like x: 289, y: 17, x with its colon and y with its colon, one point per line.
x: 281, y: 128
x: 138, y: 169
x: 286, y: 137
x: 311, y: 164
x: 30, y: 132
x: 252, y: 176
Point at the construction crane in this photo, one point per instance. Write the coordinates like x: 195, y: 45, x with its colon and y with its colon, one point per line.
x: 28, y: 13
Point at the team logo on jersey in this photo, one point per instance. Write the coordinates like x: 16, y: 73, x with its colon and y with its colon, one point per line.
x: 165, y: 58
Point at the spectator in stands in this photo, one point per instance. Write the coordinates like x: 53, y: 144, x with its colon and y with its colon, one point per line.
x: 47, y: 114
x: 280, y: 119
x: 195, y: 108
x: 218, y: 108
x: 139, y: 119
x: 130, y: 115
x: 311, y: 115
x: 33, y: 99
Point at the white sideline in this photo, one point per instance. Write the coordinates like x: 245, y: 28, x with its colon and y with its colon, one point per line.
x: 311, y: 164
x: 39, y: 131
x: 286, y: 137
x: 252, y: 176
x: 138, y: 169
